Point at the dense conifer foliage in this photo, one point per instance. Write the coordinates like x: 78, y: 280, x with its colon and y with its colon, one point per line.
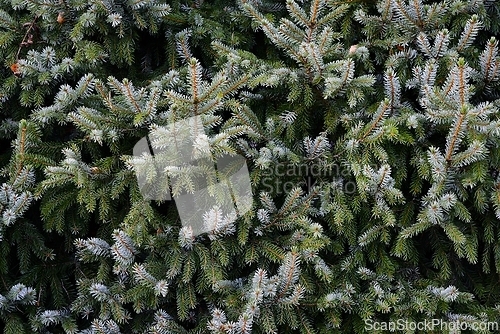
x: 371, y: 134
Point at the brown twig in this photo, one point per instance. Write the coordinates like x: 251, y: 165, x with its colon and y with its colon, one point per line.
x: 21, y: 151
x: 24, y: 42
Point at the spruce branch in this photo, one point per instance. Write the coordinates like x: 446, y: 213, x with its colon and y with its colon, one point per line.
x: 456, y: 135
x: 469, y: 33
x: 382, y: 112
x: 489, y: 61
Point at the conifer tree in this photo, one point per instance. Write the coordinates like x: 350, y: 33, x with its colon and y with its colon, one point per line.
x: 370, y: 130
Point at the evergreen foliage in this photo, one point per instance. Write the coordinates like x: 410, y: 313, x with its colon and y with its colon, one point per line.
x: 371, y: 131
